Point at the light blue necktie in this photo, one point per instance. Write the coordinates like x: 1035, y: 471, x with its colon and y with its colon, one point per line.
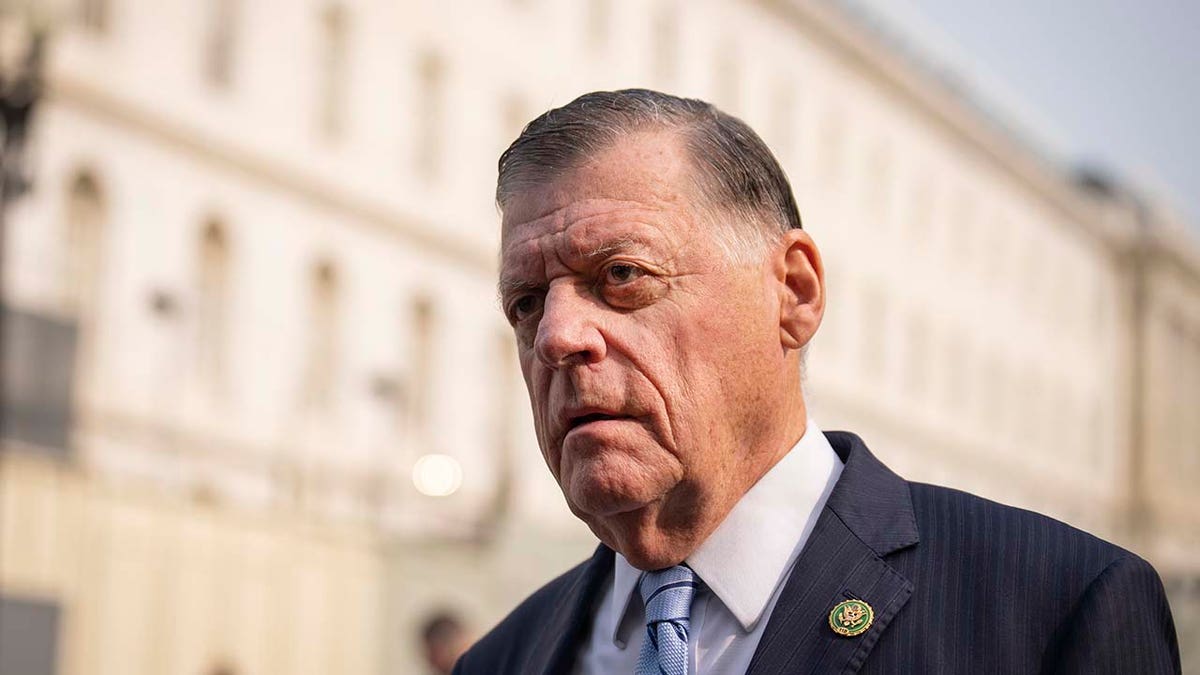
x: 667, y: 596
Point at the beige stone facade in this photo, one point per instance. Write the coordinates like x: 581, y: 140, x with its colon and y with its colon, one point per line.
x: 261, y: 236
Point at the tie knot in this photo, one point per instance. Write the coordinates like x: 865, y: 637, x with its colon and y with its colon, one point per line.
x: 667, y: 594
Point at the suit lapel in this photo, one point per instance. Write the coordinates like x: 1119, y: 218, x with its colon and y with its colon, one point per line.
x: 868, y: 516
x: 568, y: 623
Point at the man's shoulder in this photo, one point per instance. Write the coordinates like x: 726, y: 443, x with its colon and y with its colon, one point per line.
x: 534, y: 625
x: 1102, y: 608
x: 976, y: 530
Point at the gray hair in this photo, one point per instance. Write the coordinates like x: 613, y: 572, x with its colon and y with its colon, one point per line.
x: 735, y: 172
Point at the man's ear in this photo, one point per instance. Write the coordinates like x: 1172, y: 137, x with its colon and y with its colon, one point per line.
x: 801, y: 276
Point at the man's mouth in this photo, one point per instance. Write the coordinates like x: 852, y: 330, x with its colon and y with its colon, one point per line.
x: 579, y: 421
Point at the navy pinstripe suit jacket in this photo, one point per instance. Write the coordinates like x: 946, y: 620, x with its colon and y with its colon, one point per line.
x: 958, y: 584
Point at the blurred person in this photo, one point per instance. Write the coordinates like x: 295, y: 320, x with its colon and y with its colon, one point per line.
x: 663, y: 293
x: 444, y: 639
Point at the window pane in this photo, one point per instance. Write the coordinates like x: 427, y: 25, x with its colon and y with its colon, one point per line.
x: 28, y: 636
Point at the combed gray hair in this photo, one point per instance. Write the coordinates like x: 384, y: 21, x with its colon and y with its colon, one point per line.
x: 736, y: 174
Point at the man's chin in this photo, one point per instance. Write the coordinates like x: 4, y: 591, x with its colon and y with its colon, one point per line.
x: 610, y: 484
x: 636, y: 536
x: 605, y: 504
x: 650, y: 560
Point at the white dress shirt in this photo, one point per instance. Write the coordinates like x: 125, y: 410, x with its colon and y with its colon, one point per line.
x: 744, y: 565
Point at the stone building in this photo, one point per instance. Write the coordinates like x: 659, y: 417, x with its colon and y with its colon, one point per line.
x: 263, y: 413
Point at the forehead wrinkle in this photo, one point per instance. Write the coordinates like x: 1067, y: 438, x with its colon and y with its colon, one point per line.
x: 557, y: 214
x: 594, y: 241
x: 514, y: 275
x: 510, y: 282
x: 569, y: 222
x: 631, y: 227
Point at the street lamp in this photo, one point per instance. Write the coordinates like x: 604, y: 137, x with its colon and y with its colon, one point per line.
x: 20, y: 91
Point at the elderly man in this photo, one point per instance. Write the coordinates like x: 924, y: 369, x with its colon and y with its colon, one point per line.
x: 662, y: 291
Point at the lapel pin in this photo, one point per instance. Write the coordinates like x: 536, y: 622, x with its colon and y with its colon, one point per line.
x: 850, y: 618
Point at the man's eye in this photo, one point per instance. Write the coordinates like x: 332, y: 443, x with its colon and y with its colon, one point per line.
x: 525, y: 306
x: 622, y: 273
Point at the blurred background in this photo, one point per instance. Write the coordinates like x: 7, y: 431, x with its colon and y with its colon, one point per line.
x: 261, y: 413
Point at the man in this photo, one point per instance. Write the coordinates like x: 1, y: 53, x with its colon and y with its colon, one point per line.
x: 443, y: 640
x: 662, y: 291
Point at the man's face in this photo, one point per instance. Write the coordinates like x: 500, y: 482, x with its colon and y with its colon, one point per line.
x: 650, y: 357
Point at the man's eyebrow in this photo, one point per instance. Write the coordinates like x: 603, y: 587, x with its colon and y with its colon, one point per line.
x: 507, y: 287
x: 614, y: 245
x: 512, y: 285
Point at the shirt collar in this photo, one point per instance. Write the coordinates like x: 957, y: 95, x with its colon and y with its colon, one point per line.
x: 746, y: 558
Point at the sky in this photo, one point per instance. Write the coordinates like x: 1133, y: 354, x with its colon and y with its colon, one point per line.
x: 1107, y: 83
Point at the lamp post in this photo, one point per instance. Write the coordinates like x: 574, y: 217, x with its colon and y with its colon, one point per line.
x: 20, y: 91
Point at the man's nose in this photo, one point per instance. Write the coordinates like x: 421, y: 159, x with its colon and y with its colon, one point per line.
x: 568, y: 333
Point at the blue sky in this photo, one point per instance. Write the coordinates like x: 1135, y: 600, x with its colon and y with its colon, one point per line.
x: 1114, y: 84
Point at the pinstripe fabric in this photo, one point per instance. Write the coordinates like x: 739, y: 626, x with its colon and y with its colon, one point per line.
x: 958, y: 584
x: 1010, y: 591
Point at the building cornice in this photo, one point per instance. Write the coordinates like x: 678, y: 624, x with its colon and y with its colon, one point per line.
x: 1169, y: 243
x: 256, y: 168
x: 860, y: 48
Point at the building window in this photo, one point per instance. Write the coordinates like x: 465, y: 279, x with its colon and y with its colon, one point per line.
x: 1098, y: 434
x: 221, y: 42
x: 515, y: 116
x: 422, y: 324
x: 962, y: 229
x: 664, y: 37
x: 212, y: 307
x: 1062, y: 300
x: 1088, y: 290
x: 38, y: 376
x: 1188, y: 454
x: 917, y: 365
x: 85, y: 216
x: 829, y: 161
x: 1035, y: 279
x: 920, y: 210
x: 430, y: 105
x: 1069, y: 421
x: 1099, y: 311
x: 829, y: 335
x: 29, y: 630
x: 94, y: 15
x: 953, y: 364
x: 323, y: 329
x: 995, y: 254
x: 332, y: 70
x: 877, y: 184
x: 783, y: 121
x: 82, y: 259
x: 504, y: 411
x: 874, y: 334
x: 599, y: 23
x: 1179, y: 412
x: 962, y: 392
x: 1034, y: 401
x: 994, y: 394
x: 727, y: 84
